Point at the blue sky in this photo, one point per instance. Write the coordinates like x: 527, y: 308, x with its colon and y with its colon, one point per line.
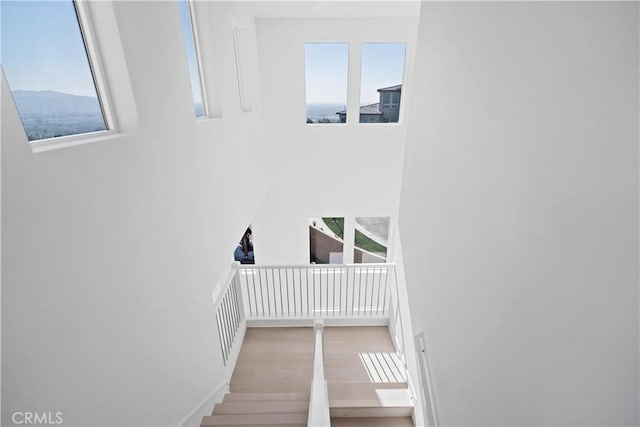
x: 382, y: 66
x: 326, y: 68
x: 190, y: 47
x: 42, y: 48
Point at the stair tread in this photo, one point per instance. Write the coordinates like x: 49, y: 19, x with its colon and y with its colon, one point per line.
x: 357, y: 339
x: 280, y: 375
x: 383, y: 397
x: 362, y: 391
x: 370, y: 404
x: 259, y: 425
x: 270, y: 387
x: 261, y: 407
x: 372, y: 422
x: 271, y: 397
x: 364, y: 366
x: 259, y: 419
x: 374, y: 412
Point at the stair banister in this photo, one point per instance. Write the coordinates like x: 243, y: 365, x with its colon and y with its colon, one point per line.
x: 319, y: 415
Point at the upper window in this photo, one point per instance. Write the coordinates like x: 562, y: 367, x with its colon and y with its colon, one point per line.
x: 371, y: 239
x: 326, y: 240
x: 381, y: 82
x: 326, y: 76
x: 49, y: 70
x: 190, y: 44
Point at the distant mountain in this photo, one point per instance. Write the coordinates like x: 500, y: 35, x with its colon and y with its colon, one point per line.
x: 48, y: 114
x: 324, y: 112
x: 39, y: 101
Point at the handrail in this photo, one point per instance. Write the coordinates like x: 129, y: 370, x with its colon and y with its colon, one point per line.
x: 319, y: 415
x: 312, y: 266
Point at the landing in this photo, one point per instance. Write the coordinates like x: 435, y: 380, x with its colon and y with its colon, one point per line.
x: 274, y: 360
x: 361, y: 354
x: 366, y: 379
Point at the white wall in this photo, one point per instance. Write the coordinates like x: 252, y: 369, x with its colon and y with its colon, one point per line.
x: 111, y: 249
x: 519, y: 211
x: 319, y: 170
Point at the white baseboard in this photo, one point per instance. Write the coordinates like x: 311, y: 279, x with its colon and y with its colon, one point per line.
x: 308, y: 322
x: 194, y: 418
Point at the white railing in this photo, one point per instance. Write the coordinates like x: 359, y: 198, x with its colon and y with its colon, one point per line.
x: 319, y: 415
x: 312, y: 292
x: 229, y: 316
x: 351, y: 294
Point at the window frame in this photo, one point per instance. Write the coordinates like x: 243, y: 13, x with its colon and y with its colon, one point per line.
x: 96, y: 68
x: 199, y: 63
x: 400, y: 102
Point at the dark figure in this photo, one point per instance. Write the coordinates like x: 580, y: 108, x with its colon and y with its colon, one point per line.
x: 244, y: 250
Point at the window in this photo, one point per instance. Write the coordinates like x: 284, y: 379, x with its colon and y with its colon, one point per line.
x: 193, y: 63
x: 371, y: 239
x: 49, y: 70
x: 381, y: 82
x: 326, y: 76
x: 326, y: 240
x: 391, y: 100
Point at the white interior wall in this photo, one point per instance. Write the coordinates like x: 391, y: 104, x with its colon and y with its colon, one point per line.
x: 317, y: 170
x: 519, y: 211
x: 111, y: 249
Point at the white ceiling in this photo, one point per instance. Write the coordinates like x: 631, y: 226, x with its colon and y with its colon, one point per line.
x: 333, y: 8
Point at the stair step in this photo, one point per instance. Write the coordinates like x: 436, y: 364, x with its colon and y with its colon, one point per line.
x: 274, y: 362
x: 357, y: 339
x: 360, y: 390
x: 383, y: 397
x: 277, y: 341
x: 258, y: 425
x: 255, y: 419
x: 271, y: 397
x: 254, y: 358
x: 261, y: 407
x: 364, y: 366
x: 259, y: 375
x: 269, y: 387
x: 372, y: 422
x: 371, y: 412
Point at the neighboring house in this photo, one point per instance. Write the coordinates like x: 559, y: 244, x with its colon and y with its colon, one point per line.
x: 390, y: 103
x: 386, y: 110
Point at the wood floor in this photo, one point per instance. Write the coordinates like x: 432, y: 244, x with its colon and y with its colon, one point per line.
x: 365, y: 378
x: 272, y: 378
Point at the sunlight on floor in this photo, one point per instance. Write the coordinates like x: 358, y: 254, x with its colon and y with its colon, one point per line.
x: 383, y: 367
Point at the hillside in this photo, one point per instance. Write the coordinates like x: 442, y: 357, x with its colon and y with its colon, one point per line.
x: 47, y: 114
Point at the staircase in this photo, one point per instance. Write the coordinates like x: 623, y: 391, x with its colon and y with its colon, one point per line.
x: 271, y: 381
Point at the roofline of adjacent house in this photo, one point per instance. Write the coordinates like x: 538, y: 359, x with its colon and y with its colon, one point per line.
x: 361, y: 107
x: 391, y: 88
